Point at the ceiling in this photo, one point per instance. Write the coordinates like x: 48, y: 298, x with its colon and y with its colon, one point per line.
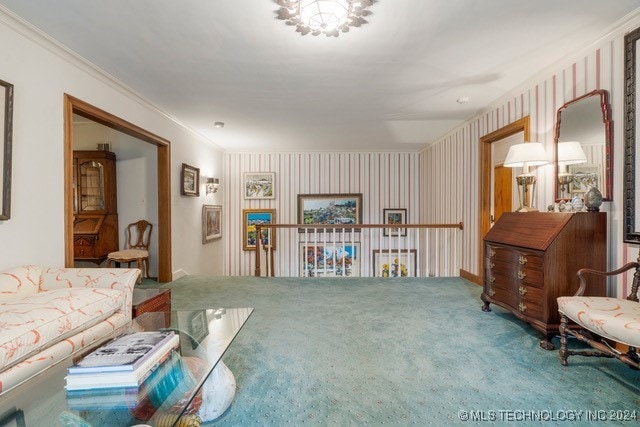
x: 391, y: 85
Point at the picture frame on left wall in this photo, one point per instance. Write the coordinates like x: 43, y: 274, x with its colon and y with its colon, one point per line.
x: 211, y: 223
x: 190, y: 181
x: 6, y: 126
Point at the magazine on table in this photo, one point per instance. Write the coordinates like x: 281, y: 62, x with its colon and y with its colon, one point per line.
x: 125, y: 353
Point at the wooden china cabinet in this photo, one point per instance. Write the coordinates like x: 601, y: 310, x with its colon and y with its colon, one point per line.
x: 95, y: 221
x: 532, y: 258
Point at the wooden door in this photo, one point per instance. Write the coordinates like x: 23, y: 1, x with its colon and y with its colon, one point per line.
x: 502, y: 194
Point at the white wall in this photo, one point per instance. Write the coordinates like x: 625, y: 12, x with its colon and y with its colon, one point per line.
x: 41, y: 74
x: 451, y: 163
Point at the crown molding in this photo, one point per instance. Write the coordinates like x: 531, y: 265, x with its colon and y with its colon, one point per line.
x: 42, y: 39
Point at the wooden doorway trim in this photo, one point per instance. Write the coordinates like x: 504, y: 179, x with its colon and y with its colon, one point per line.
x: 486, y: 166
x: 75, y: 106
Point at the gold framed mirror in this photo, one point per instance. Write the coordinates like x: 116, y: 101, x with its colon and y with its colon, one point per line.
x: 587, y: 121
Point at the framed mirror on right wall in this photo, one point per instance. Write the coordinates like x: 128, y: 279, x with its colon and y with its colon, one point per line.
x: 631, y: 187
x: 583, y: 146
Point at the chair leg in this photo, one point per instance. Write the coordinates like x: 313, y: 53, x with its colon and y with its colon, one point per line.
x: 563, y: 340
x: 146, y: 265
x: 139, y: 265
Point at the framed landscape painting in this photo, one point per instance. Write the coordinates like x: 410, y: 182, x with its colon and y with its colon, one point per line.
x: 394, y: 263
x: 330, y: 259
x: 259, y: 185
x: 190, y: 180
x: 252, y: 217
x: 394, y: 216
x: 330, y: 209
x: 211, y: 223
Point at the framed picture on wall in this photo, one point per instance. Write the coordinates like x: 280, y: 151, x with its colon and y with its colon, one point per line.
x: 211, y: 223
x: 259, y: 185
x: 394, y: 263
x: 334, y: 209
x: 329, y: 259
x: 6, y: 127
x: 252, y: 217
x: 394, y: 216
x: 190, y: 180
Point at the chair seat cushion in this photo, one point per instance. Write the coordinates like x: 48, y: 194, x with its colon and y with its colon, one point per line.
x: 128, y: 254
x: 613, y: 318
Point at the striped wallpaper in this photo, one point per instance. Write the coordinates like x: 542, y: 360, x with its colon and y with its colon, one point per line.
x: 450, y: 165
x: 386, y: 180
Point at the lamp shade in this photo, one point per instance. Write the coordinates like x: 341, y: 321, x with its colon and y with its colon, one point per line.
x: 571, y: 153
x: 526, y: 154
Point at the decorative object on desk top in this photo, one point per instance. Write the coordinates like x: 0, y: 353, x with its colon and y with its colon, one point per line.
x: 577, y: 203
x: 593, y: 199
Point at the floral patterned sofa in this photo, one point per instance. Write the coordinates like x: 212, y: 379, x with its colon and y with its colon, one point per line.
x: 602, y: 321
x: 47, y: 314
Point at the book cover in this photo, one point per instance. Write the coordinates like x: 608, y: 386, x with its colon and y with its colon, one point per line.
x: 125, y: 353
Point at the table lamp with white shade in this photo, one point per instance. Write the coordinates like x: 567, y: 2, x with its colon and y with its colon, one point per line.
x: 569, y: 153
x: 523, y: 156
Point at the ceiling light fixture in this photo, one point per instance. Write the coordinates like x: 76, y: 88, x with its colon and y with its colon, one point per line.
x: 218, y: 125
x: 328, y: 17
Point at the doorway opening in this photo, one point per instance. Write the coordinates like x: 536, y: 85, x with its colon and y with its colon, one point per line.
x: 75, y: 106
x: 488, y: 193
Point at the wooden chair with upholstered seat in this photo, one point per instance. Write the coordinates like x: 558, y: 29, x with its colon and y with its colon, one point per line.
x: 602, y: 322
x: 137, y: 250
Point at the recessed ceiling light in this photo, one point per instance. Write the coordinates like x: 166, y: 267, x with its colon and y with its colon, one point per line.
x: 218, y: 124
x: 463, y: 100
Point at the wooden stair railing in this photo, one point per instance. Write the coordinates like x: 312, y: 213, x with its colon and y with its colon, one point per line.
x: 329, y: 228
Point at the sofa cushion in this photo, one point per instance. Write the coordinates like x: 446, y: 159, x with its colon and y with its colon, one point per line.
x: 31, y: 324
x: 19, y: 281
x: 613, y: 318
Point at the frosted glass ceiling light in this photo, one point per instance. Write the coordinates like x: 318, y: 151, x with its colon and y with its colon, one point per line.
x: 328, y: 17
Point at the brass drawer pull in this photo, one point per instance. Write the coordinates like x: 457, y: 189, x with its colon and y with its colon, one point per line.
x: 492, y: 279
x: 522, y: 290
x: 492, y: 264
x: 521, y: 274
x: 522, y: 307
x: 491, y: 292
x: 522, y: 260
x: 492, y: 253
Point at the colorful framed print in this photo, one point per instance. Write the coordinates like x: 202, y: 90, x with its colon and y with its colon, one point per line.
x: 259, y: 185
x: 394, y: 216
x: 252, y: 217
x: 211, y: 223
x: 330, y: 209
x: 394, y: 263
x: 329, y: 259
x: 190, y: 180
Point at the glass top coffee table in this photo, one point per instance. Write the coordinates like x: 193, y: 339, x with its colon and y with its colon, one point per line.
x: 196, y: 386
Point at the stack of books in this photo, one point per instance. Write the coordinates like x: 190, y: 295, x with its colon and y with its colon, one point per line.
x: 122, y: 363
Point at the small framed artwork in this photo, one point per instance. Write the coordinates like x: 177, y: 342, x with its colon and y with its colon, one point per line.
x: 252, y: 217
x: 211, y: 223
x: 259, y: 185
x: 329, y: 259
x: 584, y: 177
x: 394, y: 263
x: 190, y: 180
x: 394, y: 216
x: 333, y: 209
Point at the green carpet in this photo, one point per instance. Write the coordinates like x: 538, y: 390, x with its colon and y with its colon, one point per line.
x: 397, y: 352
